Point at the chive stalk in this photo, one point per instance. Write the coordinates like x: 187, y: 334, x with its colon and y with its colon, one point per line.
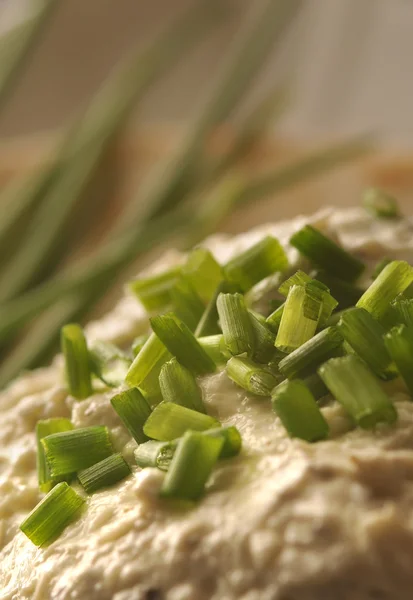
x: 236, y: 324
x: 154, y: 292
x: 301, y: 278
x: 169, y: 421
x: 404, y: 310
x: 186, y: 303
x: 215, y: 347
x: 44, y: 428
x: 300, y: 318
x: 109, y: 363
x: 133, y: 410
x: 264, y: 339
x: 208, y: 324
x: 203, y: 272
x: 151, y: 354
x: 346, y: 294
x: 274, y: 319
x: 252, y: 377
x: 155, y: 454
x: 179, y: 385
x: 77, y: 363
x: 399, y: 343
x: 104, y: 474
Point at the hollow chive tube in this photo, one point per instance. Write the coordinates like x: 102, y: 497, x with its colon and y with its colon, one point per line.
x: 256, y: 263
x: 203, y: 272
x: 104, y: 474
x: 264, y: 340
x: 133, y: 410
x: 326, y: 254
x: 356, y: 388
x: 150, y: 356
x: 399, y: 343
x: 299, y: 319
x: 109, y: 363
x: 215, y: 347
x: 179, y: 385
x: 77, y: 363
x: 208, y: 324
x: 380, y: 204
x: 169, y: 421
x: 43, y: 428
x: 191, y: 466
x: 252, y: 377
x: 298, y: 411
x: 236, y: 324
x: 154, y: 291
x: 182, y: 344
x: 52, y: 515
x: 186, y: 303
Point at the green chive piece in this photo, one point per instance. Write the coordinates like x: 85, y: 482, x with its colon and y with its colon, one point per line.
x: 357, y: 389
x: 298, y: 411
x: 236, y: 324
x: 215, y: 347
x: 345, y: 293
x: 203, y: 272
x: 104, y: 474
x: 191, y: 466
x: 399, y: 343
x: 252, y: 377
x: 264, y: 339
x: 77, y: 364
x: 182, y: 344
x: 274, y: 319
x: 169, y: 421
x: 186, y: 303
x: 208, y: 324
x: 303, y: 361
x: 133, y: 410
x: 154, y: 292
x: 301, y: 278
x: 255, y: 264
x: 404, y: 309
x: 71, y: 451
x: 155, y: 454
x: 365, y: 336
x: 231, y: 437
x: 380, y: 266
x: 299, y: 319
x: 326, y: 254
x: 52, y: 515
x: 380, y: 204
x: 44, y: 428
x: 138, y: 343
x: 392, y: 281
x: 109, y: 363
x: 297, y: 278
x: 316, y: 386
x: 152, y: 353
x: 179, y: 385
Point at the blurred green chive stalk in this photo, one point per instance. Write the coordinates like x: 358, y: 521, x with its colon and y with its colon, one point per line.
x: 185, y: 199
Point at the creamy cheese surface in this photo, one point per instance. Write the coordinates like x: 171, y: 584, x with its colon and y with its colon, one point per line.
x: 285, y: 520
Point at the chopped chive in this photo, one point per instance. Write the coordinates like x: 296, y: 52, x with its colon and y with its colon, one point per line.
x: 326, y: 254
x: 301, y: 278
x: 152, y: 353
x: 138, y: 343
x: 186, y: 303
x: 399, y: 343
x: 77, y: 364
x: 105, y: 473
x: 264, y: 339
x: 203, y: 271
x: 252, y: 377
x: 316, y: 386
x: 380, y: 266
x: 365, y: 336
x: 191, y: 466
x: 154, y: 292
x: 182, y: 344
x: 231, y: 437
x: 235, y: 323
x: 208, y: 324
x: 133, y: 410
x: 274, y: 319
x: 258, y: 262
x: 345, y: 293
x: 303, y: 361
x: 70, y: 451
x: 52, y: 515
x: 109, y: 363
x: 155, y: 454
x: 404, y: 310
x: 215, y: 347
x: 380, y: 204
x: 391, y: 282
x: 179, y: 385
x: 297, y: 278
x: 298, y: 411
x: 169, y: 421
x: 44, y: 428
x: 299, y: 319
x: 357, y: 389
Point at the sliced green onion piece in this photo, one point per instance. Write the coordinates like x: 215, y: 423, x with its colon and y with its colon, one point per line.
x: 77, y: 364
x: 274, y: 319
x: 297, y: 278
x: 264, y: 340
x: 357, y: 389
x: 169, y: 421
x: 44, y: 428
x: 138, y: 343
x: 151, y: 355
x: 308, y: 357
x: 133, y: 410
x: 109, y: 363
x: 301, y: 278
x: 191, y: 466
x: 391, y: 282
x: 404, y: 310
x: 298, y: 411
x: 71, y: 451
x: 345, y: 293
x: 380, y: 266
x: 52, y: 515
x: 181, y: 343
x: 232, y: 440
x: 250, y: 376
x: 316, y: 386
x: 399, y: 343
x: 203, y: 271
x: 258, y: 262
x: 186, y: 303
x: 155, y: 454
x: 299, y: 319
x: 380, y: 204
x: 326, y: 254
x: 365, y: 336
x: 208, y: 324
x: 105, y: 473
x: 179, y: 385
x: 154, y: 291
x: 215, y: 347
x: 235, y: 323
